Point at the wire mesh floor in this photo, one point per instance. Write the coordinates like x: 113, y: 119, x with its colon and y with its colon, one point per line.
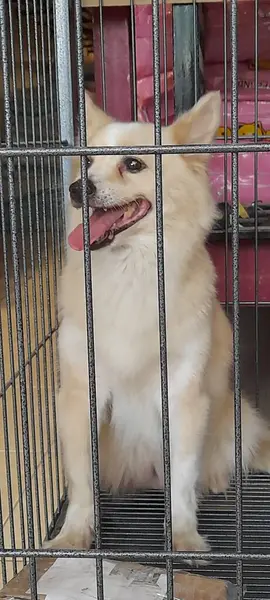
x: 134, y: 522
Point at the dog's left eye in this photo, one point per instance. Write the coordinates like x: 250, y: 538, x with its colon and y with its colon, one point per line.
x: 133, y: 165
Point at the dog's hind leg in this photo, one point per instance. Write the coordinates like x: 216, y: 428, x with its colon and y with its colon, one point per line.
x: 218, y: 459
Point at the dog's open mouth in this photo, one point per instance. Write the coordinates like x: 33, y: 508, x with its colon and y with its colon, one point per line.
x: 105, y: 224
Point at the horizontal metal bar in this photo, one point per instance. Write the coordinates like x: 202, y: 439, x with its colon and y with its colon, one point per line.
x: 261, y: 303
x: 126, y: 150
x: 133, y: 556
x: 116, y: 3
x: 59, y: 142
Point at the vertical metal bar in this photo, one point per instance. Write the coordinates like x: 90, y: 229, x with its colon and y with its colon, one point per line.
x: 102, y: 56
x: 165, y: 58
x: 46, y: 91
x: 256, y: 241
x: 64, y: 85
x: 57, y: 238
x: 18, y: 300
x: 236, y: 323
x: 185, y: 62
x: 55, y: 129
x: 162, y: 301
x: 2, y: 541
x: 15, y: 403
x: 195, y: 51
x: 225, y: 33
x: 33, y: 253
x: 26, y: 291
x: 45, y: 262
x: 64, y: 94
x: 4, y: 396
x: 89, y: 301
x: 133, y: 59
x: 181, y: 59
x: 38, y: 223
x: 7, y: 460
x: 48, y: 217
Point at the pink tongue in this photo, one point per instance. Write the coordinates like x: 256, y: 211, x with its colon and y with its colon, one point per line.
x: 100, y: 222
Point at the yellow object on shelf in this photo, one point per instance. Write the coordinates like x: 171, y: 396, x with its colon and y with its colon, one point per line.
x: 242, y: 212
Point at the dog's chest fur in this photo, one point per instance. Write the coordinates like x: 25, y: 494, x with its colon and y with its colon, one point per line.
x: 126, y: 344
x: 125, y: 315
x: 126, y: 325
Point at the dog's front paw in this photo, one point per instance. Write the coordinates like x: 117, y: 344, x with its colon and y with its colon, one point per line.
x: 77, y: 531
x: 190, y: 541
x: 216, y: 482
x: 70, y: 540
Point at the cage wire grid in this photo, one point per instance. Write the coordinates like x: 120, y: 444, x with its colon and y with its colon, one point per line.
x: 129, y: 527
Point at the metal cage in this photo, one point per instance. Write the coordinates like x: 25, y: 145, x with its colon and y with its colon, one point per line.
x: 42, y: 76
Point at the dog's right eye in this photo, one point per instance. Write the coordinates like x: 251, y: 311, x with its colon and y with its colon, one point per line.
x: 133, y: 165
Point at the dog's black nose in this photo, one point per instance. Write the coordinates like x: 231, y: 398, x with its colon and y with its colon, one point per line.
x: 75, y: 190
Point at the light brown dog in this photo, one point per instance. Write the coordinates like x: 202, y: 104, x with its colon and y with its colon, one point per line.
x: 122, y: 228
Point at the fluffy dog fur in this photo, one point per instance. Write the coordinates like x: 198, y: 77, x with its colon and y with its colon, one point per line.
x: 127, y: 339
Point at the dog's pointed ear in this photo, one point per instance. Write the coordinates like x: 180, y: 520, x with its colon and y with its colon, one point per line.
x: 96, y: 118
x: 199, y: 125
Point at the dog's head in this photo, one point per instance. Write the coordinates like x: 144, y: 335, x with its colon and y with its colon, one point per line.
x: 121, y: 189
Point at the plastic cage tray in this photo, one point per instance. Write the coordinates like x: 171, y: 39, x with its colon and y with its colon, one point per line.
x: 134, y: 522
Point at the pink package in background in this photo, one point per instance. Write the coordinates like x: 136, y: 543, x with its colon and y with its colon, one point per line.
x: 246, y: 110
x: 144, y: 63
x: 214, y: 32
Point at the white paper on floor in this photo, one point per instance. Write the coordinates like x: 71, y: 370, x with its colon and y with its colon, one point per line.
x: 75, y: 579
